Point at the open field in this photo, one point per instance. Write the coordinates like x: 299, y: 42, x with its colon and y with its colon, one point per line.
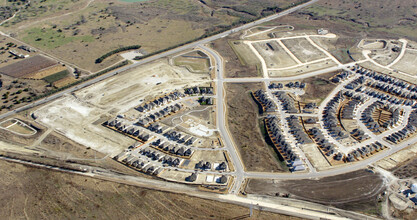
x: 36, y: 193
x: 355, y: 191
x: 75, y: 115
x: 94, y: 27
x: 303, y: 50
x: 195, y: 61
x: 244, y: 53
x: 393, y: 18
x: 243, y: 64
x: 317, y: 88
x: 242, y: 118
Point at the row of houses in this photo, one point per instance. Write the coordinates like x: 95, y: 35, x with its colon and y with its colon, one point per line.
x: 364, y: 151
x: 147, y: 120
x: 393, y: 90
x: 408, y: 130
x: 330, y: 118
x: 367, y: 118
x: 386, y: 79
x: 281, y: 145
x: 130, y: 130
x: 344, y: 75
x: 160, y: 101
x: 295, y: 85
x: 355, y: 83
x: 180, y: 137
x: 158, y: 128
x: 160, y: 157
x: 141, y: 165
x: 390, y: 88
x: 267, y: 104
x: 359, y: 135
x: 328, y: 148
x: 193, y: 177
x: 199, y: 91
x: 206, y: 101
x: 386, y: 97
x: 171, y: 149
x: 297, y: 130
x: 309, y: 107
x: 349, y: 109
x: 286, y: 101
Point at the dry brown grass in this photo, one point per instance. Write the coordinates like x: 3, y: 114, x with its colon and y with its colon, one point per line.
x: 46, y: 72
x: 65, y: 81
x: 242, y: 118
x: 38, y: 194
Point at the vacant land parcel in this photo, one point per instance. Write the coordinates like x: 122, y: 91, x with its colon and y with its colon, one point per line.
x: 303, y: 50
x: 242, y: 118
x: 40, y: 193
x: 357, y: 190
x: 67, y: 29
x: 274, y: 54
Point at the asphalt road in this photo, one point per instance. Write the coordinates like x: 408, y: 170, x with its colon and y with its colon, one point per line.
x: 221, y: 124
x: 157, y: 56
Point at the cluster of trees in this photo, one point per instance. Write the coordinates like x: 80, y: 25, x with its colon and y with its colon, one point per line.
x: 133, y: 47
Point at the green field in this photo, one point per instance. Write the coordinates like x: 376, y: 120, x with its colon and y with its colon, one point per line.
x: 55, y: 77
x: 52, y: 38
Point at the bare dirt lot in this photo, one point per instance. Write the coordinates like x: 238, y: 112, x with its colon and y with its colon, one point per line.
x: 242, y: 118
x: 27, y: 66
x: 75, y: 115
x: 36, y: 193
x: 406, y: 170
x: 274, y: 55
x: 355, y: 191
x: 408, y: 62
x: 303, y: 50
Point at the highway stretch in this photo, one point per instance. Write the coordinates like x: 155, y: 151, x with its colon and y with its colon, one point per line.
x: 155, y: 57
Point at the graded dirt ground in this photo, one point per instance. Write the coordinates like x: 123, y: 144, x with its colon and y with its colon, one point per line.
x: 354, y: 20
x: 274, y: 55
x: 75, y: 115
x: 303, y: 50
x: 408, y: 62
x: 37, y: 193
x: 234, y: 68
x: 356, y: 191
x: 407, y: 169
x: 242, y: 121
